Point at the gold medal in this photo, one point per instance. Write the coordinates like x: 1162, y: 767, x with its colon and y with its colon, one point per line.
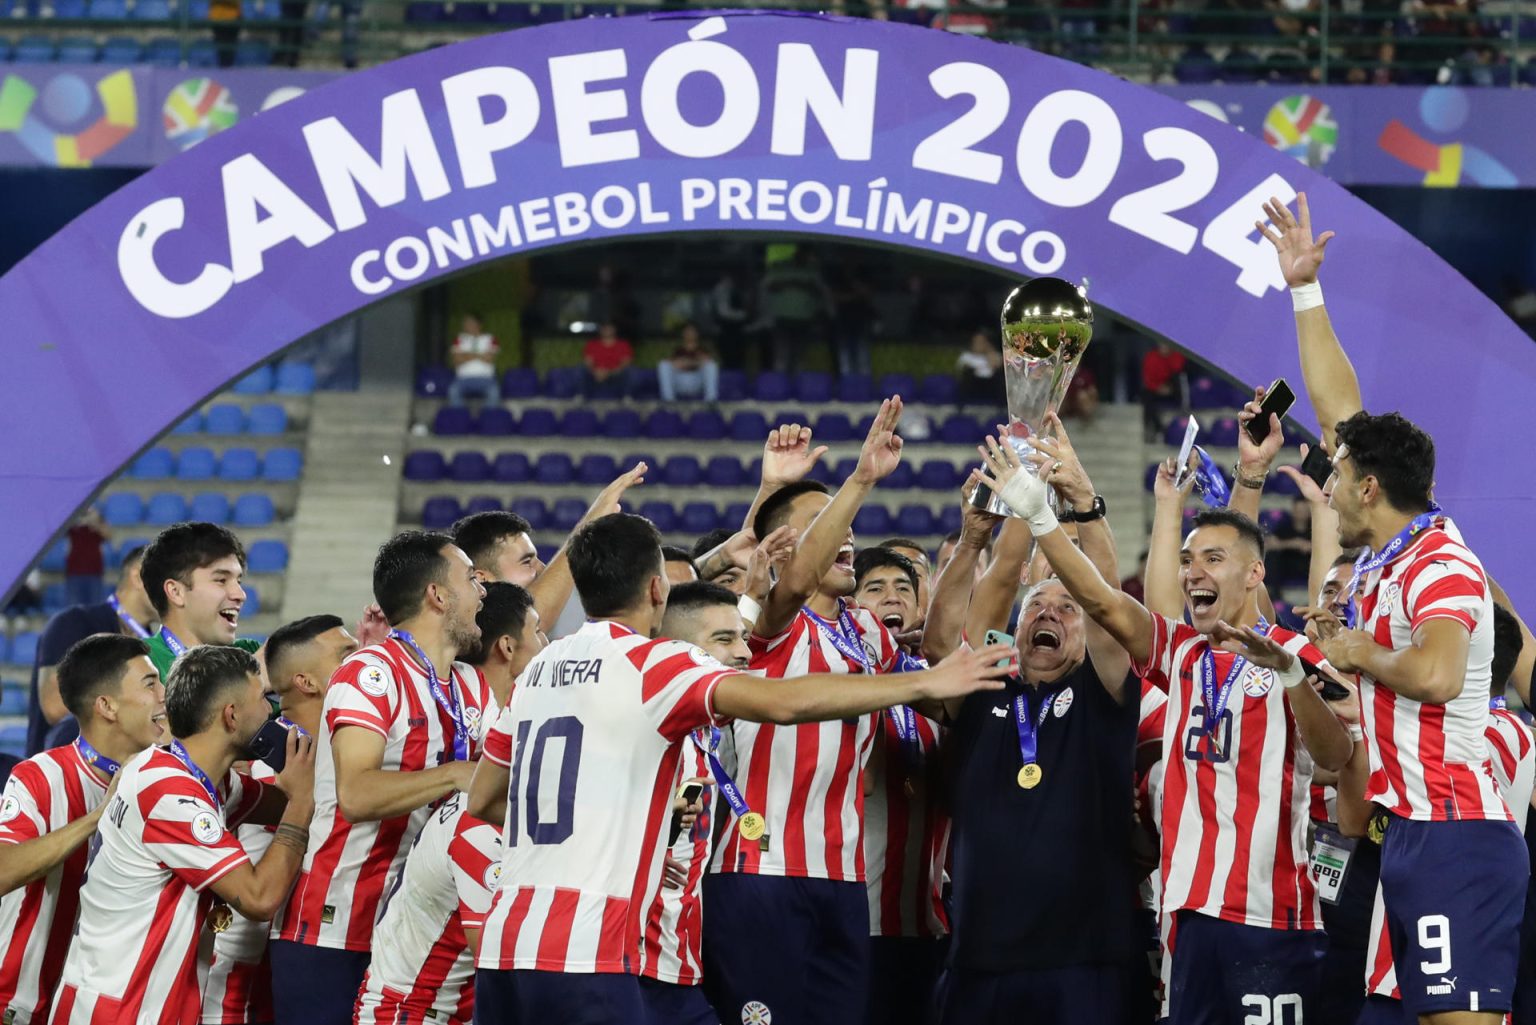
x: 1030, y: 776
x: 752, y: 826
x: 220, y: 917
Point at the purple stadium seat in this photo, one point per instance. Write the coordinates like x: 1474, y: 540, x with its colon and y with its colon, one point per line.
x: 682, y: 472
x: 897, y: 384
x: 663, y: 423
x: 832, y: 428
x: 563, y: 382
x: 531, y: 509
x: 644, y: 383
x: 433, y: 381
x: 813, y: 386
x: 650, y: 459
x: 554, y: 468
x: 734, y: 515
x: 938, y: 389
x: 792, y: 416
x: 1174, y: 434
x: 482, y: 503
x: 824, y: 472
x: 699, y: 518
x: 724, y: 472
x: 511, y: 468
x: 452, y: 421
x: 938, y: 475
x: 900, y: 479
x: 1206, y: 393
x: 1281, y: 484
x: 855, y: 388
x: 733, y: 385
x: 872, y: 521
x: 579, y: 423
x: 1151, y: 476
x: 440, y: 513
x: 497, y: 422
x: 755, y: 469
x: 621, y: 423
x: 950, y: 518
x: 596, y: 469
x: 539, y: 423
x: 566, y: 513
x: 771, y: 386
x: 424, y: 465
x: 844, y: 468
x: 468, y: 467
x: 1187, y: 521
x: 662, y: 514
x: 1223, y: 433
x: 749, y: 425
x: 706, y: 425
x: 1273, y: 519
x: 520, y: 383
x: 915, y: 521
x: 960, y: 429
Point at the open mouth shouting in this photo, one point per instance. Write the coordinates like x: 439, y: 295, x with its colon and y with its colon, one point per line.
x: 1201, y: 599
x: 844, y: 560
x: 1046, y: 637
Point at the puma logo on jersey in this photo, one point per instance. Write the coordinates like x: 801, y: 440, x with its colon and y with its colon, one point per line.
x: 1445, y: 986
x: 1001, y: 711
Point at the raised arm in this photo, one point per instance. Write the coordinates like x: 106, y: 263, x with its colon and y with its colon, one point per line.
x: 787, y: 458
x: 999, y: 585
x: 257, y: 891
x: 552, y: 590
x: 30, y: 860
x: 1254, y: 461
x: 1332, y: 386
x: 1325, y: 528
x: 1432, y: 668
x: 949, y: 602
x: 1164, y: 595
x: 365, y: 792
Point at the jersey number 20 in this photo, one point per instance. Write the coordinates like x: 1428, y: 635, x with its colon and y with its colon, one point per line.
x: 567, y: 730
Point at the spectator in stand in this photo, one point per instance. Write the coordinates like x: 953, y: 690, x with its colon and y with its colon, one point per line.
x: 728, y: 303
x: 84, y: 562
x: 690, y: 372
x: 225, y: 16
x: 795, y: 302
x: 980, y: 368
x: 1162, y: 384
x: 474, y: 363
x: 609, y: 362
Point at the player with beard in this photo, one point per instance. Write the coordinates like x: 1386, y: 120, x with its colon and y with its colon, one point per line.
x: 1247, y: 932
x: 166, y: 842
x: 192, y: 574
x: 402, y: 722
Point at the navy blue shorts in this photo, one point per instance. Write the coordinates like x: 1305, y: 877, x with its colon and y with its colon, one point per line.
x: 1074, y: 995
x: 315, y: 985
x: 1224, y: 972
x: 792, y: 950
x: 667, y: 1003
x: 544, y: 998
x: 1454, y: 894
x: 903, y: 971
x: 1384, y: 1011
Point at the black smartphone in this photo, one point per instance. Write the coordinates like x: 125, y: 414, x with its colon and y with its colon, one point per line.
x: 270, y: 745
x: 1332, y: 689
x: 689, y: 792
x: 1278, y: 399
x: 1318, y: 466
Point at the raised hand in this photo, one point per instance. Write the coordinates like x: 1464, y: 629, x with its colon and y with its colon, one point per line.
x: 967, y: 670
x: 1306, y: 485
x: 1260, y: 649
x: 974, y: 522
x: 1300, y: 255
x: 788, y: 455
x: 881, y: 451
x: 1066, y: 472
x: 1163, y: 489
x: 769, y: 553
x: 372, y: 628
x: 607, y: 500
x: 297, y: 779
x: 1023, y: 492
x: 1258, y: 458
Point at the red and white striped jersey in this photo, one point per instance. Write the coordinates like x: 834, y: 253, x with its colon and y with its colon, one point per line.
x: 1429, y: 762
x: 163, y: 843
x: 674, y: 926
x: 805, y: 779
x: 1234, y: 802
x: 1513, y: 762
x: 593, y: 736
x: 380, y: 688
x: 46, y: 792
x: 906, y: 837
x: 422, y: 970
x: 238, y: 990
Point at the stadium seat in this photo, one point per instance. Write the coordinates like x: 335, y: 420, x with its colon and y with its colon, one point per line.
x: 496, y: 422
x: 748, y: 425
x: 13, y: 700
x: 563, y: 382
x: 855, y: 388
x: 538, y: 423
x: 511, y: 468
x: 54, y: 558
x: 155, y: 464
x: 55, y: 598
x: 1281, y: 484
x: 253, y: 53
x: 252, y: 604
x: 664, y: 423
x: 209, y: 507
x: 77, y: 51
x: 651, y: 460
x: 121, y: 50
x: 938, y: 390
x: 482, y: 503
x: 644, y: 384
x: 682, y: 472
x: 224, y: 418
x: 938, y: 475
x: 904, y: 385
x: 1223, y: 433
x: 844, y: 468
x: 531, y: 509
x: 554, y: 468
x: 660, y: 513
x: 813, y: 386
x: 440, y: 512
x: 520, y: 382
x: 201, y: 53
x: 193, y: 424
x: 1207, y: 393
x: 253, y: 511
x: 734, y: 515
x: 566, y: 513
x: 267, y: 556
x: 792, y: 416
x: 162, y: 51
x: 196, y: 464
x: 950, y: 518
x: 152, y: 10
x: 122, y: 510
x: 257, y: 382
x: 699, y: 518
x: 424, y: 465
x: 1173, y: 434
x: 597, y: 468
x: 832, y: 428
x: 469, y: 467
x: 34, y: 50
x: 267, y: 418
x: 295, y: 379
x: 960, y: 429
x: 107, y: 10
x: 24, y: 648
x: 733, y: 385
x: 872, y: 520
x: 69, y: 10
x: 165, y: 508
x: 915, y: 521
x: 771, y: 386
x: 5, y: 649
x: 1273, y: 519
x: 621, y: 423
x: 239, y: 464
x: 122, y: 548
x: 433, y: 381
x: 724, y: 472
x: 452, y: 422
x: 706, y: 425
x: 13, y: 741
x: 282, y: 464
x: 900, y: 479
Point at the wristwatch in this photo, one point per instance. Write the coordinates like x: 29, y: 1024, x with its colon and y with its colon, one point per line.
x: 1095, y: 512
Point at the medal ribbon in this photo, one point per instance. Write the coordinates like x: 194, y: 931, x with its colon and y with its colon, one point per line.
x: 1368, y: 563
x: 133, y: 624
x: 95, y: 759
x: 172, y: 641
x: 845, y: 637
x: 1216, y: 700
x: 1497, y: 704
x: 1029, y: 724
x: 723, y: 779
x: 1209, y: 481
x: 445, y: 697
x: 904, y: 722
x: 288, y: 724
x: 198, y: 774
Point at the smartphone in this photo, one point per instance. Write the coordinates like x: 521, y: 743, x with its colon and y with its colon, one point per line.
x: 1318, y: 466
x: 997, y: 637
x: 270, y: 745
x: 689, y: 792
x: 1278, y: 399
x: 1332, y: 689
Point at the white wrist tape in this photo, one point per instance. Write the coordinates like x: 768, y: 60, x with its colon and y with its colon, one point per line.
x: 1306, y: 297
x: 1356, y: 732
x: 1294, y: 676
x: 749, y: 609
x: 1025, y: 494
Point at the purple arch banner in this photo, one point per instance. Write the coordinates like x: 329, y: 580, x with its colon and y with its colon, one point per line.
x: 612, y: 128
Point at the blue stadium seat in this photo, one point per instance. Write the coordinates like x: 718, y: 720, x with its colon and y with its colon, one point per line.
x: 295, y: 379
x: 566, y: 513
x: 771, y: 386
x: 267, y: 556
x: 960, y: 429
x: 579, y: 422
x: 1173, y: 434
x: 452, y: 422
x: 122, y: 548
x: 734, y: 515
x: 440, y: 512
x: 900, y: 479
x: 897, y: 384
x: 155, y: 464
x: 511, y: 468
x: 121, y: 50
x: 643, y: 383
x: 282, y: 464
x: 844, y: 468
x: 482, y: 503
x: 13, y: 701
x: 257, y: 382
x: 13, y: 741
x: 152, y: 10
x: 69, y: 10
x: 621, y: 423
x: 55, y: 598
x: 915, y: 521
x: 209, y: 507
x: 1273, y: 519
x: 833, y: 427
x: 660, y: 513
x: 433, y: 381
x: 938, y: 475
x: 165, y: 508
x: 814, y: 386
x: 938, y: 389
x: 700, y: 518
x: 252, y: 604
x: 424, y: 465
x: 724, y: 472
x: 554, y: 468
x: 855, y: 388
x: 24, y: 648
x: 193, y: 424
x: 469, y: 467
x: 5, y: 44
x: 706, y: 425
x: 872, y: 520
x: 54, y: 558
x: 224, y: 418
x: 1223, y: 433
x: 122, y: 510
x: 792, y: 416
x: 201, y: 53
x: 268, y: 418
x: 107, y: 10
x: 496, y: 422
x: 531, y: 509
x: 520, y: 382
x: 563, y: 382
x: 653, y: 463
x: 733, y: 385
x: 1281, y: 484
x: 196, y: 464
x: 253, y: 511
x: 664, y: 423
x: 162, y: 51
x: 950, y: 518
x: 597, y: 468
x: 748, y: 425
x: 5, y: 649
x: 538, y: 422
x: 239, y: 464
x: 682, y: 472
x: 34, y: 50
x: 253, y: 53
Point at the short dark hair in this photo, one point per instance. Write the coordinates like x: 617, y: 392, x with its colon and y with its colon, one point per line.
x: 290, y: 636
x: 93, y: 665
x: 180, y: 550
x: 131, y: 558
x: 709, y: 542
x: 698, y: 594
x: 904, y: 542
x: 200, y: 678
x: 871, y: 559
x: 774, y: 512
x: 612, y: 559
x: 1508, y: 641
x: 672, y: 553
x: 481, y: 534
x: 1397, y: 453
x: 1348, y: 557
x: 503, y: 611
x: 1246, y: 529
x: 405, y: 565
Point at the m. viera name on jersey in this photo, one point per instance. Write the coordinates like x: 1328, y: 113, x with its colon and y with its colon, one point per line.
x: 562, y: 673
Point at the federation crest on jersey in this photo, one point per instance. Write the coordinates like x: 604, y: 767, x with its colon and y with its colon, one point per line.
x: 492, y: 877
x: 9, y: 808
x: 755, y: 1012
x: 1390, y: 593
x: 371, y: 679
x: 1062, y: 704
x: 1257, y: 680
x: 472, y: 718
x: 207, y: 828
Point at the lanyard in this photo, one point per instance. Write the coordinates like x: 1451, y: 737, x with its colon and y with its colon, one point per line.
x: 904, y: 722
x: 845, y: 638
x: 1368, y: 563
x: 1029, y: 724
x: 1497, y: 704
x: 1216, y: 701
x: 197, y: 774
x: 1213, y: 487
x: 133, y: 624
x: 288, y: 724
x: 95, y: 759
x: 446, y: 699
x: 723, y: 779
x: 172, y: 641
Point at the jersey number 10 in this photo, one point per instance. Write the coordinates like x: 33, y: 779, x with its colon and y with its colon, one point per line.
x: 567, y: 729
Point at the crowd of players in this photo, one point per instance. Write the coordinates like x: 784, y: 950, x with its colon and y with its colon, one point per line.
x: 779, y: 778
